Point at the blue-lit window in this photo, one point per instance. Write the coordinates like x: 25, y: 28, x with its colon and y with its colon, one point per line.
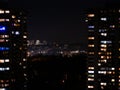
x: 17, y: 33
x: 4, y: 48
x: 91, y: 27
x: 2, y: 28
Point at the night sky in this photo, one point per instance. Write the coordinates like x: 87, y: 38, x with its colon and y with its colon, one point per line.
x: 58, y: 20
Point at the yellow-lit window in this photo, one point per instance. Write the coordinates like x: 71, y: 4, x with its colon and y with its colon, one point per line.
x: 103, y: 45
x: 18, y: 20
x: 90, y: 86
x: 109, y: 53
x: 13, y: 16
x: 1, y: 61
x: 91, y: 68
x: 102, y: 57
x: 104, y: 61
x: 119, y: 49
x: 109, y: 72
x: 108, y: 57
x: 112, y: 80
x: 24, y: 36
x: 2, y: 20
x: 16, y: 24
x: 103, y: 49
x: 90, y: 79
x: 91, y: 15
x: 91, y: 45
x: 91, y: 38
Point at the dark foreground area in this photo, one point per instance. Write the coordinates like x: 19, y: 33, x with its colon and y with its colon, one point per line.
x: 57, y: 72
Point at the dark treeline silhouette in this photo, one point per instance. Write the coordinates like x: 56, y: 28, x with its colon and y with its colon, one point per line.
x: 57, y: 72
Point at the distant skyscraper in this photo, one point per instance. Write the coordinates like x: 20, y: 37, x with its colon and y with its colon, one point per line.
x: 13, y: 47
x: 103, y: 49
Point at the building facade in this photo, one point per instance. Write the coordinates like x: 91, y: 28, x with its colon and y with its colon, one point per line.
x: 13, y: 49
x: 103, y: 49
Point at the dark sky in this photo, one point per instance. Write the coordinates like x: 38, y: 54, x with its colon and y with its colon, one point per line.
x: 57, y: 20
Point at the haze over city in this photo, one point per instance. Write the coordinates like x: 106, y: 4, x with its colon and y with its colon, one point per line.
x: 61, y: 21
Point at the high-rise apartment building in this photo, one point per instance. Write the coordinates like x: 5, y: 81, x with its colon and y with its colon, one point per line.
x: 103, y: 49
x: 13, y: 48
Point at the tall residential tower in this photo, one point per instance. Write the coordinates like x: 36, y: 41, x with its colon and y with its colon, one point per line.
x: 13, y: 49
x: 103, y: 49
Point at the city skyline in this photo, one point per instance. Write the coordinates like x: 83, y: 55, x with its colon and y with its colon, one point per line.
x: 61, y: 21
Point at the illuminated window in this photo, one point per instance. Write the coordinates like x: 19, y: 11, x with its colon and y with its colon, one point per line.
x: 6, y: 60
x: 105, y: 42
x: 112, y: 26
x: 24, y: 59
x: 103, y: 34
x: 91, y: 27
x: 91, y: 15
x: 91, y: 38
x: 90, y: 86
x: 1, y: 61
x: 103, y: 19
x: 90, y: 71
x: 2, y: 88
x: 2, y: 20
x: 17, y: 33
x: 109, y: 57
x: 18, y: 20
x: 7, y: 11
x: 113, y: 68
x: 103, y: 60
x: 103, y: 45
x: 24, y: 67
x: 7, y: 19
x: 91, y: 45
x: 1, y: 11
x: 119, y: 10
x: 4, y: 69
x: 103, y: 84
x: 16, y: 24
x: 90, y: 75
x: 102, y: 72
x: 91, y: 68
x: 99, y: 64
x: 90, y: 79
x: 4, y: 48
x: 103, y: 49
x: 112, y: 80
x: 24, y: 36
x: 2, y: 40
x: 102, y: 57
x: 13, y: 16
x: 91, y: 53
x: 2, y: 28
x: 102, y: 30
